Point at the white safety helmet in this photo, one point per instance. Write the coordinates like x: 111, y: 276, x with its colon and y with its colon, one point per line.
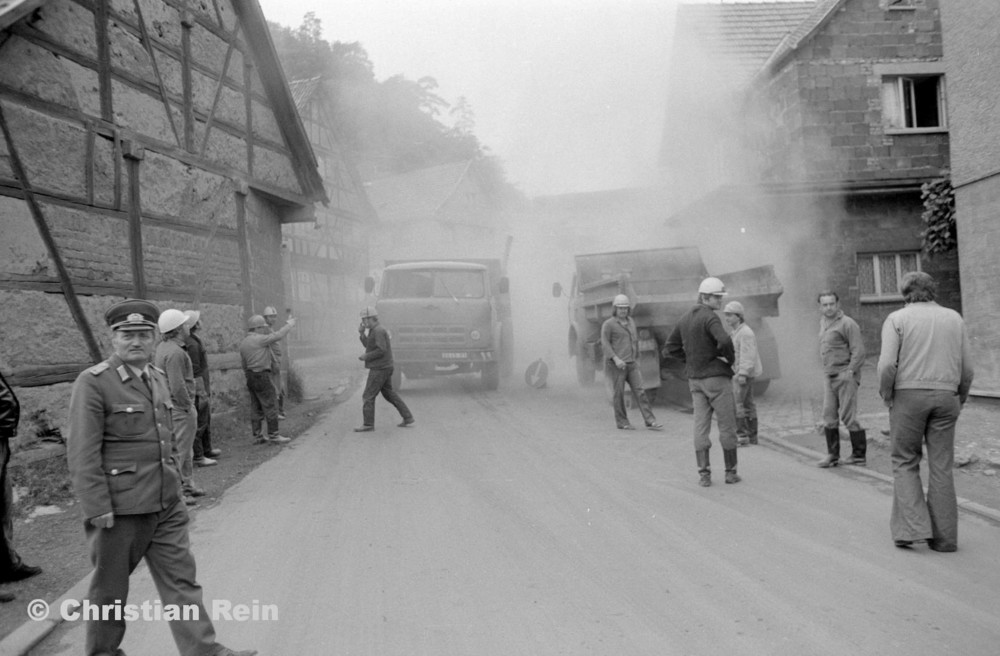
x: 712, y: 286
x: 621, y: 301
x: 369, y: 313
x: 171, y: 320
x: 733, y: 307
x: 270, y: 312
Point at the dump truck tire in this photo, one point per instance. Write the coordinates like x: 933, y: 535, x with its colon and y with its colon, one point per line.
x: 585, y: 371
x: 491, y: 376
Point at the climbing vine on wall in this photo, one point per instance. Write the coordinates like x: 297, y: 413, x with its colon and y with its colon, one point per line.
x: 940, y: 235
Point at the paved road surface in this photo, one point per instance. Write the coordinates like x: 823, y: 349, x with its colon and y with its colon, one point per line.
x: 522, y: 522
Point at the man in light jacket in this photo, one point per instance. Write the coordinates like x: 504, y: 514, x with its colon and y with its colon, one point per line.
x: 746, y: 367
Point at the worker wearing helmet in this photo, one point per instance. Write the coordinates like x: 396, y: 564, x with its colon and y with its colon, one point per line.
x: 702, y: 344
x: 257, y: 360
x: 378, y: 362
x: 173, y: 359
x: 271, y: 317
x: 746, y: 367
x: 620, y: 345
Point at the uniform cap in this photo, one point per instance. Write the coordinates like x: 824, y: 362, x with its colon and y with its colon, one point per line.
x: 132, y: 314
x: 256, y: 321
x: 171, y: 320
x: 621, y: 301
x: 712, y: 286
x: 733, y: 307
x: 193, y: 316
x: 368, y: 312
x: 270, y: 312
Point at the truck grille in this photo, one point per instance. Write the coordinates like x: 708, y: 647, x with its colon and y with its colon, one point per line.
x: 429, y: 335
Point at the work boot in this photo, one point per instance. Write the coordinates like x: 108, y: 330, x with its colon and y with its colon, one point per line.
x: 742, y: 432
x: 704, y: 468
x: 859, y: 448
x: 752, y: 425
x: 832, y: 448
x: 729, y: 458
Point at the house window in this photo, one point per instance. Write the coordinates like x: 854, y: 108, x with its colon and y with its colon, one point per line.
x: 913, y: 102
x: 879, y: 274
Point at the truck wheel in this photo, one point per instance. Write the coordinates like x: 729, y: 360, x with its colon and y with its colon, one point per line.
x: 491, y: 376
x: 585, y: 372
x: 760, y: 386
x: 397, y: 378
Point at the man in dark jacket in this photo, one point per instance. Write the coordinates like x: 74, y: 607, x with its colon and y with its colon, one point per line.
x: 203, y: 451
x: 11, y: 567
x: 702, y: 344
x: 378, y: 362
x: 124, y: 467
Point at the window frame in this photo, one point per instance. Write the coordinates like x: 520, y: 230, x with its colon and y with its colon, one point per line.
x: 875, y: 257
x: 896, y: 76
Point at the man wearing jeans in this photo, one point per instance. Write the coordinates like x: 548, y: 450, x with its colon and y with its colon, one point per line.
x: 925, y: 372
x: 843, y: 353
x: 620, y: 345
x: 255, y: 356
x: 702, y: 344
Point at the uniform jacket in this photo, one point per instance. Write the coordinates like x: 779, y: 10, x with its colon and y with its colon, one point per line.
x: 378, y: 348
x: 840, y: 345
x: 925, y: 346
x: 620, y: 340
x: 702, y: 344
x: 10, y: 410
x: 747, y: 358
x: 120, y: 444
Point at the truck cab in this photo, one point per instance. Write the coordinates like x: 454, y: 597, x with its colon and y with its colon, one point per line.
x: 447, y: 317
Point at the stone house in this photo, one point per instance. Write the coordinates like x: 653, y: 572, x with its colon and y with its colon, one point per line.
x: 823, y: 121
x: 149, y: 150
x: 328, y: 258
x: 973, y: 70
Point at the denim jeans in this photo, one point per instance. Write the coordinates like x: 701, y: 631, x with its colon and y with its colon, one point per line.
x: 631, y: 375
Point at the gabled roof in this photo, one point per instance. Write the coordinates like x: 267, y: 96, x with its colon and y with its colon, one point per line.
x: 746, y: 34
x: 816, y: 19
x: 417, y: 195
x: 303, y: 90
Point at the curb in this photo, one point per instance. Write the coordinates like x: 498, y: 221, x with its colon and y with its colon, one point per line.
x: 21, y: 640
x: 964, y: 504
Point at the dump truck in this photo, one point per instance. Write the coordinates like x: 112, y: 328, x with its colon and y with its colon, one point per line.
x: 662, y: 285
x: 447, y: 317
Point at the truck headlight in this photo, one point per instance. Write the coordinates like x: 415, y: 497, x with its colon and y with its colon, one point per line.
x: 475, y: 335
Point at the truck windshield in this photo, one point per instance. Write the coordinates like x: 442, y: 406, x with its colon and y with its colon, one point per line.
x: 429, y: 283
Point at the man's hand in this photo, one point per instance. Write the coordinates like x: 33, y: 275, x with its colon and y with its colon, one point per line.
x: 290, y: 321
x: 361, y: 357
x: 741, y: 380
x: 618, y: 362
x: 846, y: 374
x: 361, y: 328
x: 107, y: 520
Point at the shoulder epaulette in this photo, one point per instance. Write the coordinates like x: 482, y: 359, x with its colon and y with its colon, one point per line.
x: 155, y: 368
x: 99, y: 368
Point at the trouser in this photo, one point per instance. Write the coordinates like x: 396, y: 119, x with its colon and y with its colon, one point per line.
x: 203, y: 434
x: 840, y: 402
x: 161, y: 538
x: 9, y: 560
x: 185, y: 427
x: 915, y: 418
x: 746, y: 410
x: 279, y: 390
x: 380, y: 381
x: 713, y: 395
x: 263, y: 404
x: 633, y: 377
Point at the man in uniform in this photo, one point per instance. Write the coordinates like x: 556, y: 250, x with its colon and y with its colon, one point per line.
x: 702, y: 344
x: 843, y: 353
x: 11, y: 567
x: 925, y: 372
x: 257, y: 359
x: 123, y: 465
x: 271, y: 317
x: 203, y: 451
x: 620, y: 346
x: 378, y: 362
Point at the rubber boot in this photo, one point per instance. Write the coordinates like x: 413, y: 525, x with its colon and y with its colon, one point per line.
x: 832, y: 448
x: 742, y: 431
x: 704, y: 468
x: 729, y: 458
x: 752, y: 424
x: 859, y: 449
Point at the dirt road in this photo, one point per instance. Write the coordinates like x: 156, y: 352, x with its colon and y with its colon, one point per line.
x: 523, y: 522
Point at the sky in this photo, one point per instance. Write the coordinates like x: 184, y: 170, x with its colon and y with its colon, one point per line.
x: 569, y: 94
